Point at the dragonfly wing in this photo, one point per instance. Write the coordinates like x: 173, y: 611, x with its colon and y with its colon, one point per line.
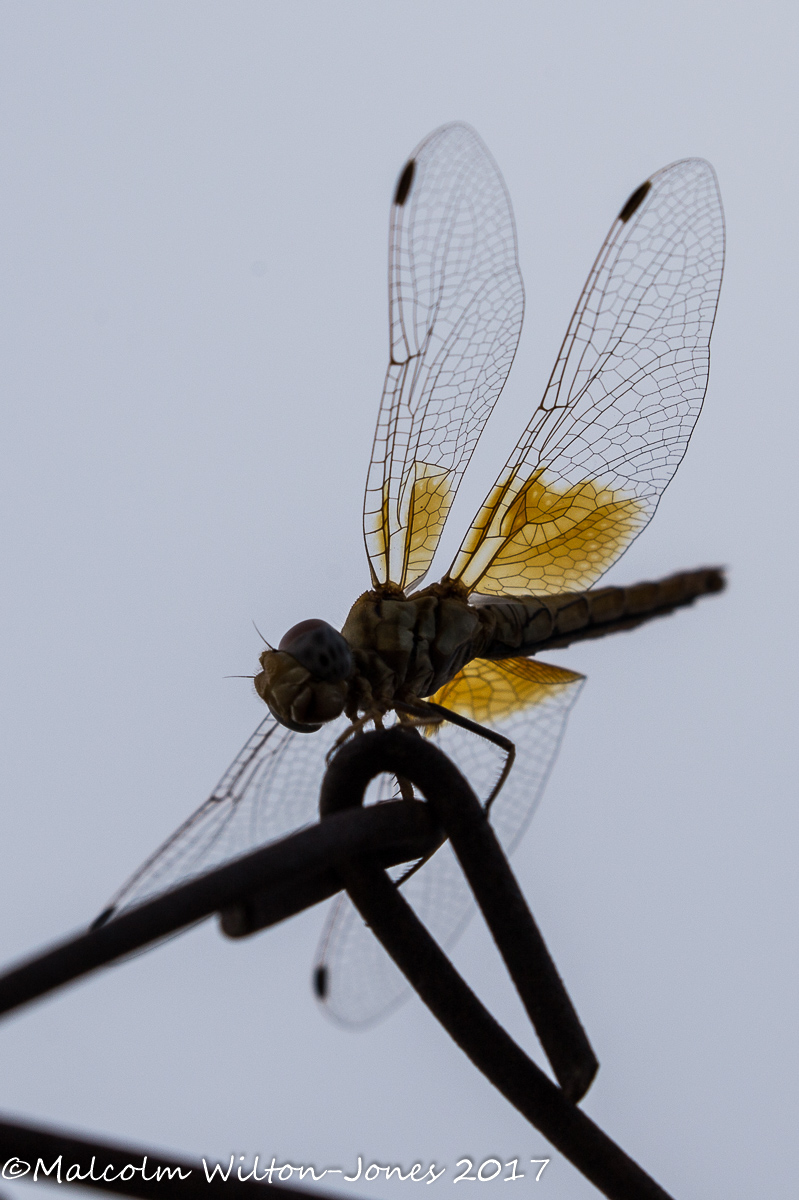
x: 456, y: 302
x: 527, y: 701
x: 270, y: 789
x: 627, y: 388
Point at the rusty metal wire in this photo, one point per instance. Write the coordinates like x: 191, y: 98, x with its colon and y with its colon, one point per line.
x: 351, y: 847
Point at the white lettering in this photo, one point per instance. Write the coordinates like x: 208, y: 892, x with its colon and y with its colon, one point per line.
x: 304, y: 1171
x: 514, y: 1162
x: 222, y: 1175
x: 170, y: 1173
x: 398, y: 1171
x: 15, y: 1168
x: 251, y: 1175
x: 40, y: 1165
x: 352, y: 1178
x: 268, y: 1171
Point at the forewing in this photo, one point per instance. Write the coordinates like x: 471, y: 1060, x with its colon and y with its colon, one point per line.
x: 622, y: 401
x: 456, y: 303
x: 527, y: 701
x: 270, y: 789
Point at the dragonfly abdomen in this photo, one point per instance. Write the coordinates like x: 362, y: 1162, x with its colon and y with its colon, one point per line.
x: 526, y: 625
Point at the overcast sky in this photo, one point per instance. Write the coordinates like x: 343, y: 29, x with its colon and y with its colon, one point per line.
x: 194, y: 218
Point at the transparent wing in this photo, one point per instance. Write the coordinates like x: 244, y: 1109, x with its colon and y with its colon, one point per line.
x: 269, y: 790
x: 622, y: 401
x: 456, y: 302
x: 527, y: 701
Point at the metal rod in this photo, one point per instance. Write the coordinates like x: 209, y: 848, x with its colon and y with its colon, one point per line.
x: 453, y: 1003
x: 299, y: 871
x: 499, y: 896
x: 487, y: 1044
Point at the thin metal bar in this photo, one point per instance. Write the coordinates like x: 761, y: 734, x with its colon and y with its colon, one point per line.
x: 299, y: 871
x: 449, y: 998
x: 486, y: 1043
x: 501, y: 901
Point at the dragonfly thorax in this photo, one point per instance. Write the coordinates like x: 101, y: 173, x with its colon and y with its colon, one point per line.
x: 405, y: 648
x: 304, y: 681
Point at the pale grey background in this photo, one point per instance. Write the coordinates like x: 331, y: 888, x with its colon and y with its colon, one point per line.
x: 194, y: 218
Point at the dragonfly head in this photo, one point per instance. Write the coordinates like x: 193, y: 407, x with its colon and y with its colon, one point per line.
x: 304, y: 681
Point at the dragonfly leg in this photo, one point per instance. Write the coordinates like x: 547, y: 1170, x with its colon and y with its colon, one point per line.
x: 355, y: 727
x: 425, y: 712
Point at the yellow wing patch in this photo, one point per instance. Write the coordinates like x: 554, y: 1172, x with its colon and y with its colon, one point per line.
x: 536, y: 537
x: 488, y: 692
x: 412, y: 535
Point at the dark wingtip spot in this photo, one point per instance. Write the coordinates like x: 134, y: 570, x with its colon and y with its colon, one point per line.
x: 320, y: 981
x: 405, y: 182
x: 104, y: 917
x: 635, y: 201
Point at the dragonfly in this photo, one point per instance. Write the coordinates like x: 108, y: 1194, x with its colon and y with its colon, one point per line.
x: 456, y: 657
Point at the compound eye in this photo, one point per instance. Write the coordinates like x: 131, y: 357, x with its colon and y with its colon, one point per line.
x: 319, y: 648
